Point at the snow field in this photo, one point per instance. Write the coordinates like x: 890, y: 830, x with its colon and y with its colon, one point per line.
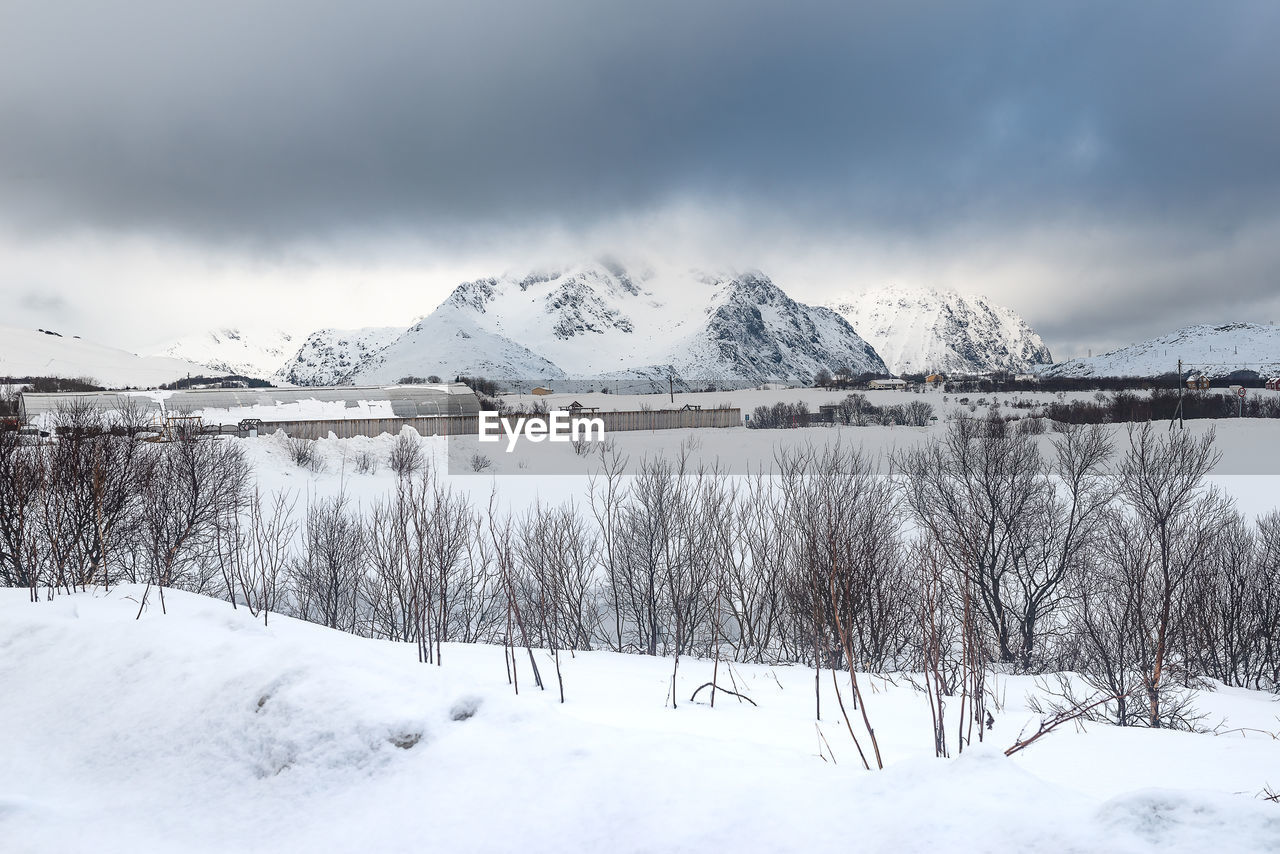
x: 202, y: 730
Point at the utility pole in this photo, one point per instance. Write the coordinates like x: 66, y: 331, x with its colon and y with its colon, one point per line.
x: 671, y: 383
x: 1182, y: 387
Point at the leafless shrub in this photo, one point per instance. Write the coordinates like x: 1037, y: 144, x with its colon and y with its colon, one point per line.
x: 1031, y: 426
x: 366, y: 462
x: 304, y: 453
x: 406, y: 455
x: 479, y: 462
x: 917, y: 413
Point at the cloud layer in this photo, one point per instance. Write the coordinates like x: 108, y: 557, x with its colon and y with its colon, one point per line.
x: 1114, y: 156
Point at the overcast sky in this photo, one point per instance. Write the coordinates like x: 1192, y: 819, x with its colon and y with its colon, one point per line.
x: 1111, y: 170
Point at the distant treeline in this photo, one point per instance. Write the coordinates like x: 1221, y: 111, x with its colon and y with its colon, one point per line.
x: 45, y: 385
x: 229, y: 381
x: 1007, y: 382
x: 1161, y: 405
x: 855, y: 410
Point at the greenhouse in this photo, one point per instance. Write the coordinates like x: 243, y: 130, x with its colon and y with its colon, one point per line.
x: 229, y: 406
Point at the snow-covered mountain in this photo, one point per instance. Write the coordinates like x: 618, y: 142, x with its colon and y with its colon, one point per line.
x: 251, y: 353
x: 925, y: 330
x: 37, y: 353
x: 602, y: 320
x: 1212, y: 350
x: 331, y: 356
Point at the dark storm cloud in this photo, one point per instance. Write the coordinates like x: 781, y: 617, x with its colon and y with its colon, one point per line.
x: 1142, y: 137
x: 287, y: 119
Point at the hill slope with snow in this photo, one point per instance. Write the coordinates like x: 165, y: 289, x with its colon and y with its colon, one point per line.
x: 925, y: 331
x: 202, y: 730
x: 603, y: 320
x: 331, y: 356
x: 33, y: 353
x: 1212, y: 350
x: 250, y: 353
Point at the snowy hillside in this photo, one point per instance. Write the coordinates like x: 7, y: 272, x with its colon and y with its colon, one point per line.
x: 922, y: 331
x: 449, y: 343
x: 331, y: 356
x: 603, y: 320
x: 1213, y: 350
x: 251, y: 353
x: 201, y: 730
x: 30, y: 352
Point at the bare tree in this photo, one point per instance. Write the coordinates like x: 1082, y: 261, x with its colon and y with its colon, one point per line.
x: 987, y: 498
x: 191, y: 485
x: 326, y: 580
x: 605, y: 496
x: 22, y: 482
x: 1137, y: 599
x: 753, y: 586
x: 264, y: 547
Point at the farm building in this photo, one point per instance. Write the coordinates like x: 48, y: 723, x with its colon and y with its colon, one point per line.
x: 226, y: 407
x: 1197, y: 382
x: 892, y: 384
x: 311, y: 413
x: 1274, y: 383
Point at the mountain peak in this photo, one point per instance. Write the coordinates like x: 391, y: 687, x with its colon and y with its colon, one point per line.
x: 603, y: 318
x: 921, y: 329
x: 1213, y: 349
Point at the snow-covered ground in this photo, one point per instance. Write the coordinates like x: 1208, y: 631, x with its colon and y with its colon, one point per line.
x: 1248, y: 446
x: 32, y: 353
x: 202, y: 730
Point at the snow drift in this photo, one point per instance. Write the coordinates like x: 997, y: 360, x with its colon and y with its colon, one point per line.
x: 204, y: 730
